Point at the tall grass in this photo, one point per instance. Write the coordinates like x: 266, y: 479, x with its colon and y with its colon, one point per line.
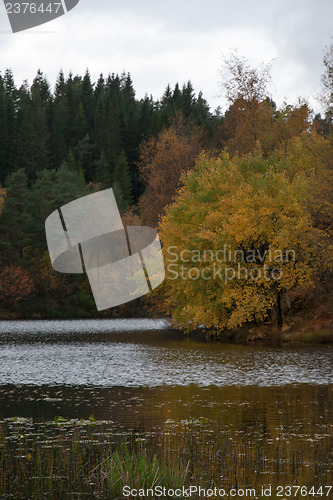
x: 89, y: 461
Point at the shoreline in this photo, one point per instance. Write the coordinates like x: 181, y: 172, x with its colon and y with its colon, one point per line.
x: 249, y: 334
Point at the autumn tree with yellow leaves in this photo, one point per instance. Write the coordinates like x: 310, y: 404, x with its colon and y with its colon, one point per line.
x: 238, y: 237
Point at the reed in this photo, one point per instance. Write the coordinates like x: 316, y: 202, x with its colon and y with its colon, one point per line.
x: 85, y: 459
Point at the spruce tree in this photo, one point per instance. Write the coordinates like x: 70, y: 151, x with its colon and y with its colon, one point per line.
x: 3, y: 132
x: 99, y: 88
x: 103, y: 172
x: 188, y: 100
x: 40, y: 86
x: 122, y: 176
x: 10, y: 112
x: 60, y: 86
x: 52, y: 189
x: 87, y: 99
x: 118, y: 194
x: 32, y: 152
x: 57, y: 142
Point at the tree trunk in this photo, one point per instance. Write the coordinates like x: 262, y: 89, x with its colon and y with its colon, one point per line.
x: 279, y: 310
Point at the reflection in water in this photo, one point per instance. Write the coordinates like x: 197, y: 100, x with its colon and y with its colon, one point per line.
x: 264, y: 412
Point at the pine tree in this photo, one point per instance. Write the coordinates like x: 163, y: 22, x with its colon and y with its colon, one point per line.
x: 99, y: 88
x: 41, y: 88
x: 84, y: 152
x: 87, y: 99
x: 70, y: 105
x: 10, y: 106
x: 176, y: 97
x: 123, y: 177
x: 118, y: 194
x: 52, y: 189
x: 146, y: 117
x: 71, y: 163
x: 128, y: 117
x: 80, y: 125
x: 103, y: 172
x: 188, y: 100
x: 33, y: 152
x: 60, y: 86
x: 3, y: 132
x: 201, y: 112
x: 113, y: 140
x: 57, y: 142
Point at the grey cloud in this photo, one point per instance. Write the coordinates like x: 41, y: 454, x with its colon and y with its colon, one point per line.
x: 297, y: 31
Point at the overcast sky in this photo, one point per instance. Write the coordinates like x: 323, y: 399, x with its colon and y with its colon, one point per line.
x: 161, y: 42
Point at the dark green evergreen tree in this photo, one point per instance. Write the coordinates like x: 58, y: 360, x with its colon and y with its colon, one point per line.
x: 103, y: 174
x: 122, y: 176
x: 187, y: 100
x: 3, y: 133
x: 33, y: 152
x: 112, y: 138
x: 9, y: 135
x: 118, y: 194
x: 99, y: 89
x: 70, y: 108
x: 87, y: 99
x: 41, y: 88
x: 85, y: 155
x: 146, y: 122
x: 80, y: 124
x: 52, y: 189
x: 60, y: 86
x: 57, y: 141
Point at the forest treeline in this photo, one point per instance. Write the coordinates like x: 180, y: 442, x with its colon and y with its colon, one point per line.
x: 255, y: 177
x: 91, y: 126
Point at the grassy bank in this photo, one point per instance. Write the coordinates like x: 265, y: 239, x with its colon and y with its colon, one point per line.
x: 72, y: 458
x: 272, y: 334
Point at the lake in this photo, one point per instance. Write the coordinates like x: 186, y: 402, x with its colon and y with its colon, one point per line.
x: 273, y: 404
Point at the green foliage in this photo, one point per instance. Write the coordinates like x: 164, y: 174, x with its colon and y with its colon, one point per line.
x: 103, y: 172
x: 118, y: 194
x: 183, y: 101
x: 32, y: 132
x: 52, y: 189
x: 136, y: 468
x: 122, y: 177
x: 22, y: 228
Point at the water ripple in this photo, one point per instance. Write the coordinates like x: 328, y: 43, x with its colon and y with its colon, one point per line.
x: 54, y: 353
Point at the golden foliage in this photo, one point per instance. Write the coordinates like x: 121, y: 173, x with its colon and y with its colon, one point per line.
x: 262, y: 219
